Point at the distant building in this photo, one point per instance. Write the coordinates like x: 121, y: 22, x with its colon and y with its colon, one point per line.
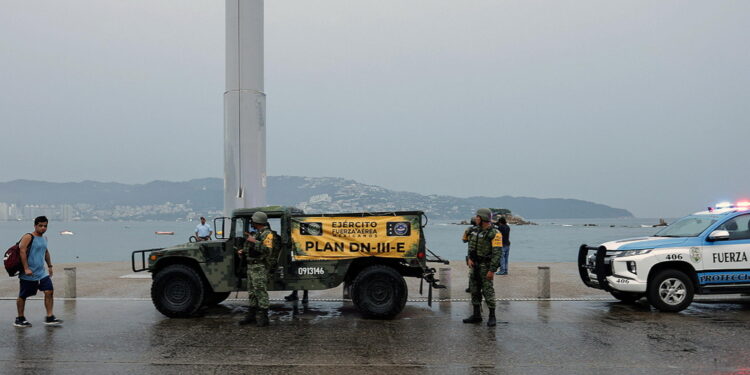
x: 13, y: 212
x: 66, y: 212
x: 30, y: 211
x: 4, y: 211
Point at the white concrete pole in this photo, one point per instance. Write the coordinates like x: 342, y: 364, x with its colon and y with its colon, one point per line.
x: 542, y: 282
x: 70, y: 282
x: 244, y: 107
x: 444, y: 275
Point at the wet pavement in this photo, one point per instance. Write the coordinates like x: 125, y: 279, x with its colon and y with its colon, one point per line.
x: 533, y: 337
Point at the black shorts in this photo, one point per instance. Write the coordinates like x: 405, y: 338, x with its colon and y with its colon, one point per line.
x: 28, y: 288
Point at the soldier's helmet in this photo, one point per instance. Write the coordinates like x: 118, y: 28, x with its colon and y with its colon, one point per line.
x: 484, y: 213
x: 259, y: 218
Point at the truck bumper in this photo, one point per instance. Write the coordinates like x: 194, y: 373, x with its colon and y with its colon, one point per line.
x: 593, y: 273
x: 625, y: 285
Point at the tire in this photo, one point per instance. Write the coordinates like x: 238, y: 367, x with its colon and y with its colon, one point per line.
x: 215, y: 298
x: 379, y: 292
x: 670, y: 291
x: 177, y: 291
x: 626, y: 297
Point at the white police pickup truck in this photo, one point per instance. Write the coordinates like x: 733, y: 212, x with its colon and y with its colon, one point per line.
x: 703, y: 253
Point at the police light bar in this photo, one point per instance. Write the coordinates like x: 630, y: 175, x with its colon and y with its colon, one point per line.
x: 723, y: 205
x: 743, y: 205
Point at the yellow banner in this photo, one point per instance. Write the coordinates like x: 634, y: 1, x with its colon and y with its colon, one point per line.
x: 339, y: 237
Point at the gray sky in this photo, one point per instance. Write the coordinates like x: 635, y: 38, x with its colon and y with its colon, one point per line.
x: 641, y: 105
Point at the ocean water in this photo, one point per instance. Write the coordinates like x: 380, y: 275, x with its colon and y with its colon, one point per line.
x: 550, y: 241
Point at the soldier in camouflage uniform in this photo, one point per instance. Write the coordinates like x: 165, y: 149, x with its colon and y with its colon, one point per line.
x: 257, y: 249
x: 485, y: 244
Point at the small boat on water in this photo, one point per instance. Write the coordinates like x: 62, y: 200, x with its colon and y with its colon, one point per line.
x: 164, y: 233
x: 66, y: 233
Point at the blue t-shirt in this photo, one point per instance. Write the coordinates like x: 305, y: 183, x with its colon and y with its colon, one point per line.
x: 35, y: 257
x: 203, y: 230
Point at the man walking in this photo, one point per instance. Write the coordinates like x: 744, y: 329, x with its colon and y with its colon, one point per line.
x: 203, y: 231
x: 257, y: 249
x: 34, y: 253
x: 484, y: 256
x: 502, y: 226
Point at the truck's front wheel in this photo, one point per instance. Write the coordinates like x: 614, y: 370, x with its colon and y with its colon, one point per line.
x: 379, y: 292
x: 670, y: 291
x: 177, y: 291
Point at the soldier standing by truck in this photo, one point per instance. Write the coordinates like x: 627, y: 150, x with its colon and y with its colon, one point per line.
x: 485, y: 245
x: 258, y: 249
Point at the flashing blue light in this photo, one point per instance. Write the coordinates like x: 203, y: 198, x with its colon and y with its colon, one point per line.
x: 724, y: 205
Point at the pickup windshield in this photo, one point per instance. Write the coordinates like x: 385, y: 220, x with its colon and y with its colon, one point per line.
x: 690, y: 226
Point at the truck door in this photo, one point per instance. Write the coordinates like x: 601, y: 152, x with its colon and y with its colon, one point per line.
x: 727, y: 261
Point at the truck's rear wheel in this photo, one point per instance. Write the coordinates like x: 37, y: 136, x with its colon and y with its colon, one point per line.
x: 215, y: 298
x: 626, y: 297
x: 670, y: 291
x: 379, y: 292
x: 177, y: 291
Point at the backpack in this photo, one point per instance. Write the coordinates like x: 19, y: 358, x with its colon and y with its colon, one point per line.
x: 12, y: 258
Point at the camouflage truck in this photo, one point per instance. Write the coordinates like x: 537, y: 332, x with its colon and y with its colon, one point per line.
x: 370, y: 253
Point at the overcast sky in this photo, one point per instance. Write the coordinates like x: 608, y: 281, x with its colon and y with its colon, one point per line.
x: 640, y: 105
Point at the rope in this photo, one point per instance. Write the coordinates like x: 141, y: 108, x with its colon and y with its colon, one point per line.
x: 522, y: 299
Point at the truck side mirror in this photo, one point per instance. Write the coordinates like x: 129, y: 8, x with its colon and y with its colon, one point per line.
x: 220, y: 231
x: 718, y: 235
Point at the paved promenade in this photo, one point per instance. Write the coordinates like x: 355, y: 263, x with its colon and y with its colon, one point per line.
x: 114, y: 329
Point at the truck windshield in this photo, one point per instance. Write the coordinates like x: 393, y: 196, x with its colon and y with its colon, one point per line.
x: 690, y: 226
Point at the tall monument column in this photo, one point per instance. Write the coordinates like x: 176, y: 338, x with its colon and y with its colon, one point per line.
x: 244, y: 107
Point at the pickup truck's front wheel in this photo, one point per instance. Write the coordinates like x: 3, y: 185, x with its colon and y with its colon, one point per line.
x: 670, y: 291
x: 177, y: 291
x: 379, y: 292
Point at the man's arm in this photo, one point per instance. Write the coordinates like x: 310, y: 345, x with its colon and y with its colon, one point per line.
x: 24, y: 246
x: 265, y: 245
x: 48, y: 260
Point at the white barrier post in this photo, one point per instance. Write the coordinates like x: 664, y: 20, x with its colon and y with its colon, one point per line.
x: 444, y: 277
x: 70, y: 282
x: 542, y: 282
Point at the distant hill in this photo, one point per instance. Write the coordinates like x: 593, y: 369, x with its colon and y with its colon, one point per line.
x: 313, y: 194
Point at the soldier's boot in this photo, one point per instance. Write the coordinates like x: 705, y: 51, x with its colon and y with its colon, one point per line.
x: 292, y: 296
x: 249, y: 317
x: 476, y: 317
x: 304, y: 296
x: 262, y: 318
x: 491, y: 320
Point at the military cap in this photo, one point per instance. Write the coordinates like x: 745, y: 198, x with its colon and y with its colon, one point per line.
x: 259, y: 218
x: 484, y: 214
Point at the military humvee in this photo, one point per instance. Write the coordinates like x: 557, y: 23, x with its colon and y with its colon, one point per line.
x: 370, y: 253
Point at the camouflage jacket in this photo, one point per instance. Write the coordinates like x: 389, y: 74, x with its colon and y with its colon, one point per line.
x: 259, y: 252
x: 485, y: 245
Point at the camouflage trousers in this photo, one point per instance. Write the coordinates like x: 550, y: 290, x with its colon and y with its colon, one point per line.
x: 257, y: 279
x: 483, y: 289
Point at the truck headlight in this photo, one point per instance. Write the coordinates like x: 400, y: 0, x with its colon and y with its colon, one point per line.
x: 627, y: 253
x: 631, y: 267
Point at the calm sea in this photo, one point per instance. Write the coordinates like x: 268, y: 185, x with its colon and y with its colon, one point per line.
x: 550, y: 241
